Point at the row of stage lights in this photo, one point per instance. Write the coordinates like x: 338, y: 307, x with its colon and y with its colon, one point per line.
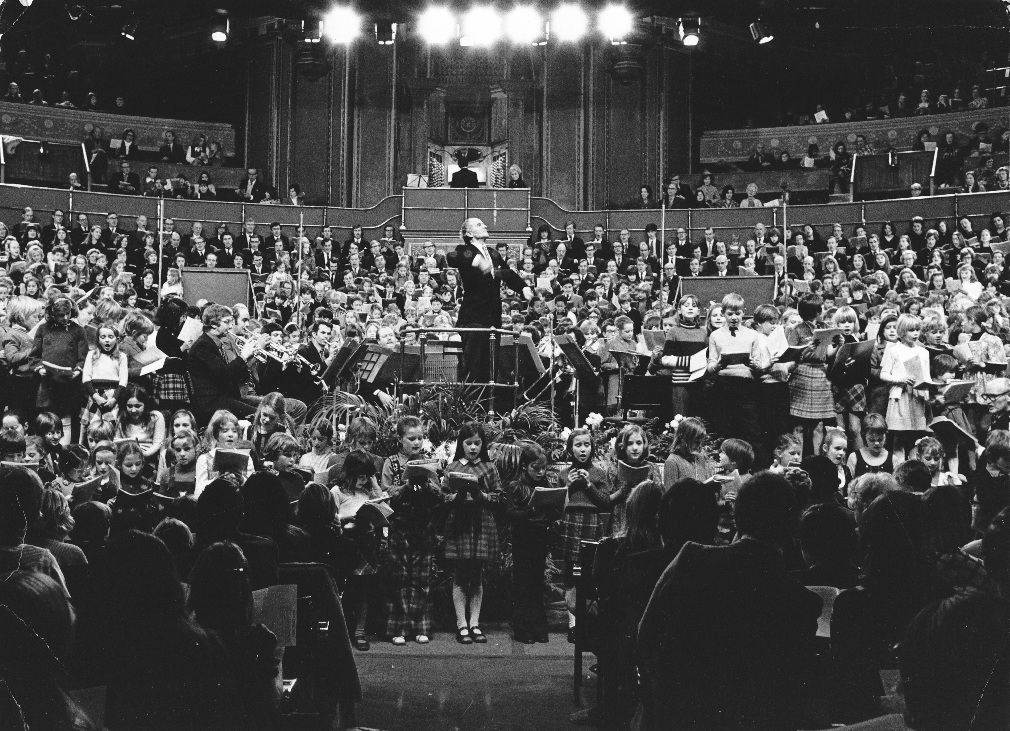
x: 484, y: 26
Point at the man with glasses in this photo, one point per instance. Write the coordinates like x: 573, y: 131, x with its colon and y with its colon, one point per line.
x: 996, y: 396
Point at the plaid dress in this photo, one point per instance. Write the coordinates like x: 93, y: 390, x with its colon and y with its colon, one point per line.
x: 410, y: 551
x: 583, y: 523
x: 470, y: 528
x: 810, y: 394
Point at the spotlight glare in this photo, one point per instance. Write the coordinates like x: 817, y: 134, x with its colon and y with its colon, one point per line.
x: 690, y: 31
x: 569, y: 23
x: 524, y: 24
x: 481, y: 26
x: 385, y: 33
x: 616, y: 23
x: 342, y: 24
x: 760, y: 33
x: 27, y: 3
x: 437, y: 26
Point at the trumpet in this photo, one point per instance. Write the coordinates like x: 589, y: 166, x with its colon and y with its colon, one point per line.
x: 314, y: 368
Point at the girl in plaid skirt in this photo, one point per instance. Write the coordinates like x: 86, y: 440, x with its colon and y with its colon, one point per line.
x: 587, y: 508
x: 471, y: 534
x: 810, y: 399
x: 411, y: 547
x: 105, y: 374
x: 850, y: 398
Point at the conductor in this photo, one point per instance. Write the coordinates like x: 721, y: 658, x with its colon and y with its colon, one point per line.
x: 481, y: 272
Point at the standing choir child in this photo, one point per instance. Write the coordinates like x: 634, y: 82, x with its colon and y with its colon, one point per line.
x: 358, y: 488
x: 411, y: 546
x: 471, y: 533
x: 687, y: 454
x: 59, y: 352
x: 850, y: 398
x: 631, y: 448
x: 810, y: 401
x: 773, y: 391
x: 105, y: 374
x: 587, y: 508
x: 877, y: 390
x: 905, y: 364
x: 737, y: 358
x: 531, y: 534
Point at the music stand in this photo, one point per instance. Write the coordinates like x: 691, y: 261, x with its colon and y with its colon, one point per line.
x: 343, y: 364
x: 583, y: 368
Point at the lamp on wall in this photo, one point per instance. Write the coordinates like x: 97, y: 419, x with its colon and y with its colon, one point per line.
x: 690, y: 31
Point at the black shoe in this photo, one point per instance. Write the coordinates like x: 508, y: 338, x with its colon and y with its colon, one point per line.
x: 571, y: 635
x: 524, y: 639
x: 477, y: 635
x: 463, y: 636
x: 543, y: 638
x: 361, y: 643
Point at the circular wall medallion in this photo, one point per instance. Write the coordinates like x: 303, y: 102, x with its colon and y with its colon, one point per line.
x: 851, y: 137
x: 892, y: 134
x: 737, y: 144
x: 774, y: 143
x: 934, y: 130
x: 468, y: 124
x: 88, y: 127
x: 811, y: 140
x: 48, y: 123
x: 6, y: 118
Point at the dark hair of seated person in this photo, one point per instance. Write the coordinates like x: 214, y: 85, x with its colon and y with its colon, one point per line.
x: 827, y: 538
x: 36, y: 632
x: 138, y: 640
x: 219, y: 510
x: 689, y: 511
x: 912, y: 474
x: 766, y: 509
x: 955, y: 670
x: 268, y: 513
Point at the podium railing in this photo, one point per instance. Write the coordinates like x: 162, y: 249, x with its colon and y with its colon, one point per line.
x: 495, y: 337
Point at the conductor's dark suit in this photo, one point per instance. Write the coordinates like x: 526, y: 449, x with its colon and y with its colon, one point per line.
x: 464, y: 178
x: 481, y: 305
x: 215, y: 380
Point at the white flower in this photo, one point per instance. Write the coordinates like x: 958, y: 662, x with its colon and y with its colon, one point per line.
x: 594, y: 420
x: 565, y: 433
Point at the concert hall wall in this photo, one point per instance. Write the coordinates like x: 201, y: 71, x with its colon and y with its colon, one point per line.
x: 351, y: 136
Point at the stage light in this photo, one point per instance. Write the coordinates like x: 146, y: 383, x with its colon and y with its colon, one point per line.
x: 616, y: 23
x: 385, y: 33
x: 342, y: 24
x: 568, y: 23
x: 524, y: 24
x: 481, y: 26
x: 220, y: 28
x: 690, y: 31
x: 760, y: 32
x: 437, y: 26
x: 26, y: 3
x: 129, y: 31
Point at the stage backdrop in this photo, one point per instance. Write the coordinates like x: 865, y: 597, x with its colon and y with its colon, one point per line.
x: 754, y: 290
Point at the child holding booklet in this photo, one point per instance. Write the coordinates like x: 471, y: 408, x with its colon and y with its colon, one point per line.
x: 531, y: 533
x: 471, y: 534
x: 587, y: 508
x: 222, y: 433
x: 633, y: 467
x: 905, y: 364
x: 320, y: 458
x: 105, y: 374
x: 415, y: 498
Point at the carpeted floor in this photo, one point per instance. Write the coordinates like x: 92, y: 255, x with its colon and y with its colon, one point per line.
x: 444, y: 686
